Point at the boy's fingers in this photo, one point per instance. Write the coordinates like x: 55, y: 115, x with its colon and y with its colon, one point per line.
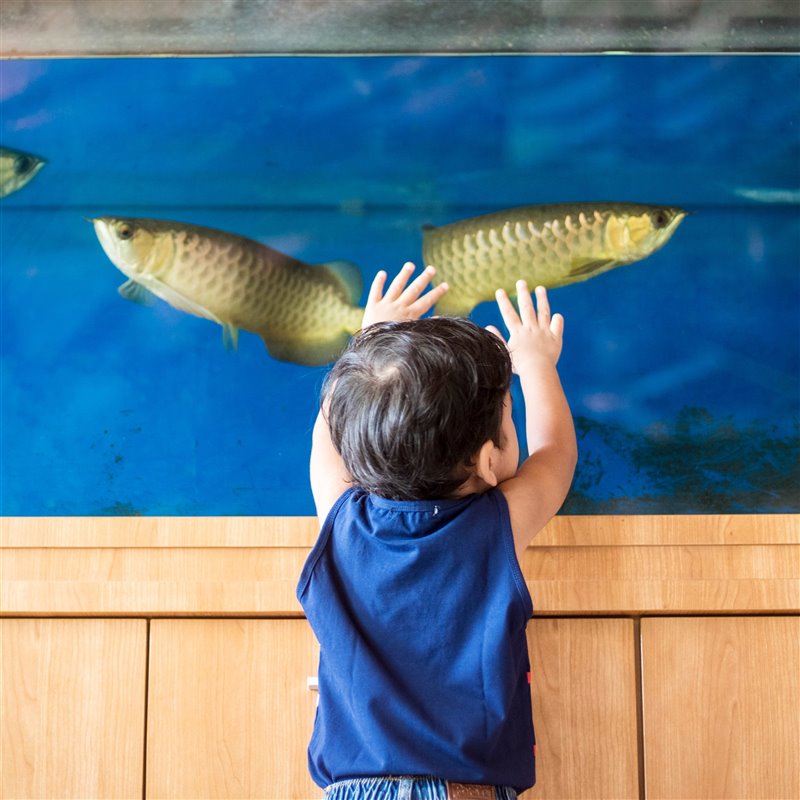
x: 398, y: 284
x: 557, y: 325
x: 376, y: 290
x: 417, y: 286
x: 543, y: 307
x: 507, y: 310
x: 492, y: 329
x: 429, y: 300
x: 527, y: 312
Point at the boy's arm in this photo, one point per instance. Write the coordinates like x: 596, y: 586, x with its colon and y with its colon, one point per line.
x: 329, y: 477
x: 541, y: 484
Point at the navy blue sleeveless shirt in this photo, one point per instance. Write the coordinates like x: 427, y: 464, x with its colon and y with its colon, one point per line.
x: 420, y: 610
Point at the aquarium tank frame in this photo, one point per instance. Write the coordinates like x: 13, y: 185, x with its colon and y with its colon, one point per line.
x: 86, y: 28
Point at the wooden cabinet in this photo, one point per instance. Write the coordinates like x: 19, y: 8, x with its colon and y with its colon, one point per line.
x: 584, y: 708
x: 229, y: 711
x: 72, y: 708
x: 168, y: 658
x: 722, y: 707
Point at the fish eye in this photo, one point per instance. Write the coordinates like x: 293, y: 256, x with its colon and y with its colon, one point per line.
x: 660, y: 219
x: 23, y: 164
x: 125, y: 232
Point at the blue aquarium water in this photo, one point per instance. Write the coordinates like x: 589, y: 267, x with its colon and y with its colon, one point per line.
x: 683, y: 371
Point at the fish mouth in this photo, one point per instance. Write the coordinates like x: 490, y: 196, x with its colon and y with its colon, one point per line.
x: 666, y: 233
x: 679, y: 217
x: 105, y: 235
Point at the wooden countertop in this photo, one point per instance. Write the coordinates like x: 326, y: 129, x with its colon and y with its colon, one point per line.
x: 248, y: 566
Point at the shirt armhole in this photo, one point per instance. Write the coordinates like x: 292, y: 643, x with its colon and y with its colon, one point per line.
x: 319, y: 545
x: 511, y: 553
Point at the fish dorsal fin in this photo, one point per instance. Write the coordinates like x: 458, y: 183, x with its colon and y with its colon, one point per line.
x: 348, y: 276
x: 428, y: 227
x: 136, y: 293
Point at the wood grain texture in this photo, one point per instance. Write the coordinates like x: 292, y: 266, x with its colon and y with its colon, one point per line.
x: 584, y: 531
x: 721, y: 703
x: 127, y: 532
x: 73, y: 700
x: 584, y: 700
x: 230, y: 714
x: 251, y: 581
x: 655, y: 580
x: 151, y: 582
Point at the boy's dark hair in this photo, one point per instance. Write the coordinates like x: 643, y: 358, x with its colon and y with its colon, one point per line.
x: 411, y: 403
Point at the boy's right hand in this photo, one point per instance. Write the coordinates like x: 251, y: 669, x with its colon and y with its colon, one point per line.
x: 400, y: 301
x: 532, y: 335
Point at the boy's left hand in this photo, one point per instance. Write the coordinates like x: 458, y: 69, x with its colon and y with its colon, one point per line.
x: 400, y: 301
x: 532, y: 332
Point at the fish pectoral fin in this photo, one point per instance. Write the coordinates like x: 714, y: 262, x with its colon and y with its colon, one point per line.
x: 587, y: 268
x: 183, y: 303
x: 230, y: 336
x: 136, y: 293
x: 308, y: 353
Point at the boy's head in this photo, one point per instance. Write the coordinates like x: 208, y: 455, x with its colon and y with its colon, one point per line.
x: 412, y: 403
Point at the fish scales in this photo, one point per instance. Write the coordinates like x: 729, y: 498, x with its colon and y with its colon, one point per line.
x: 232, y: 281
x: 551, y: 245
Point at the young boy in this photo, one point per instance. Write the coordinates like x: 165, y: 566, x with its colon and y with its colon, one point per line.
x: 413, y: 588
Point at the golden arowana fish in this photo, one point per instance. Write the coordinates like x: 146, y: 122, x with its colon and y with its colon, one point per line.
x: 549, y: 245
x: 17, y: 169
x: 304, y: 313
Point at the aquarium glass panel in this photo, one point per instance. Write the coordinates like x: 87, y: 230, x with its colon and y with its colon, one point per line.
x: 682, y: 369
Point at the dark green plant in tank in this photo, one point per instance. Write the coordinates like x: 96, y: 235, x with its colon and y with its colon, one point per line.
x: 694, y: 464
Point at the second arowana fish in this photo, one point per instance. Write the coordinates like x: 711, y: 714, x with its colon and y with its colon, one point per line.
x: 304, y: 313
x: 17, y: 169
x: 551, y: 245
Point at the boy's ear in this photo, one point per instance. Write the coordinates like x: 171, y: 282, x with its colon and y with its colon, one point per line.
x: 486, y: 462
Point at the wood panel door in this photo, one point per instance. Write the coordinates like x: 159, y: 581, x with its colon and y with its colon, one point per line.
x: 230, y: 713
x: 72, y: 708
x: 722, y: 707
x: 584, y: 709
